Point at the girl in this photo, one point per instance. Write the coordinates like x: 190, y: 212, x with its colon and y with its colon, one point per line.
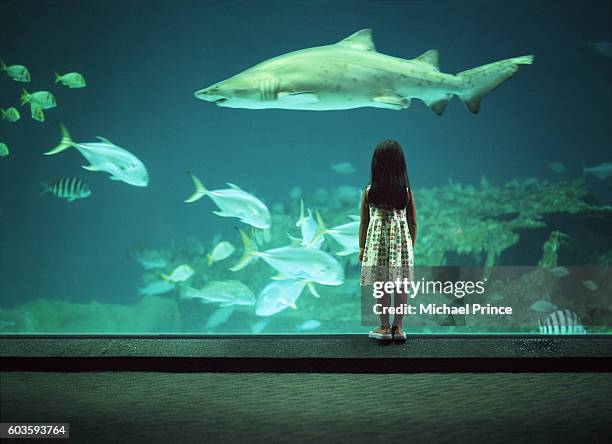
x: 387, y: 231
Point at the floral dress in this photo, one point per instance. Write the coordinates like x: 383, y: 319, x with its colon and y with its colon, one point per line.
x: 388, y: 254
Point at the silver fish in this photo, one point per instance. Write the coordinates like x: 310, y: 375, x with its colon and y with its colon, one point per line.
x: 308, y: 228
x: 557, y: 167
x: 277, y: 296
x: 601, y: 171
x: 295, y: 262
x: 543, y: 306
x: 603, y: 47
x: 157, y: 287
x: 224, y: 293
x: 343, y: 168
x: 234, y: 202
x: 108, y: 157
x: 590, y: 285
x: 559, y: 272
x: 222, y: 251
x: 346, y: 235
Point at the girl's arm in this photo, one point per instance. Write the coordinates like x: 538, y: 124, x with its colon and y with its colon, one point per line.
x: 411, y: 216
x: 363, y: 225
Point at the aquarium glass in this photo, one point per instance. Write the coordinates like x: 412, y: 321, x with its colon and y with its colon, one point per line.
x: 178, y: 167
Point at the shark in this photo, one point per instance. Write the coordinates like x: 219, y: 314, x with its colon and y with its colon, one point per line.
x: 353, y: 74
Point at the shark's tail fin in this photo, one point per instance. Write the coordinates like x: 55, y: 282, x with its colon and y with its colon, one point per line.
x: 478, y: 82
x: 65, y: 142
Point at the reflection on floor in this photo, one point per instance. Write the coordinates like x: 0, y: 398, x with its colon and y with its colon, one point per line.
x: 282, y: 407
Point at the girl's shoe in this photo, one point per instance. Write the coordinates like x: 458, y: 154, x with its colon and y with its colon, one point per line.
x: 398, y: 334
x: 381, y: 333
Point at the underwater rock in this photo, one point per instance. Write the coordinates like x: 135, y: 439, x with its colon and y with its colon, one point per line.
x: 152, y: 314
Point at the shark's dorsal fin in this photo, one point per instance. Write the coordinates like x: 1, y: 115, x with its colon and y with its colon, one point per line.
x: 233, y: 186
x: 430, y: 57
x: 360, y: 40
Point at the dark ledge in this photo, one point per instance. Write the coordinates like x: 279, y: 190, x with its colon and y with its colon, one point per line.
x: 316, y: 353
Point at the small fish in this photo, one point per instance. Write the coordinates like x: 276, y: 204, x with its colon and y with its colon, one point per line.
x: 602, y: 171
x: 234, y: 202
x: 590, y: 285
x: 543, y: 306
x: 69, y: 188
x: 19, y: 73
x: 343, y: 168
x: 224, y: 293
x: 308, y: 227
x: 260, y: 325
x: 108, y: 157
x: 4, y: 151
x: 149, y: 258
x: 277, y: 296
x: 11, y: 114
x: 559, y: 272
x: 43, y: 98
x: 311, y: 324
x: 5, y: 324
x: 179, y: 274
x: 157, y: 287
x: 561, y: 322
x: 71, y: 80
x: 557, y: 167
x: 36, y: 112
x: 222, y: 250
x: 603, y: 47
x: 220, y: 316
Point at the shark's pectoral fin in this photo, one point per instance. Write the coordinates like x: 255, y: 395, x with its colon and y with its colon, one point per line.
x: 298, y: 98
x: 114, y: 178
x: 392, y: 102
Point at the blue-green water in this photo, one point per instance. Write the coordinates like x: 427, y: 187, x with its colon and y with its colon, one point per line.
x: 488, y: 187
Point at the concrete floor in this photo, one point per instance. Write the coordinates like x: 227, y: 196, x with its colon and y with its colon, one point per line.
x: 310, y: 407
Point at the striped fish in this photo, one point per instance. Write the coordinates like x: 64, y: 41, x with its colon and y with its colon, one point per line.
x: 69, y: 188
x: 561, y: 322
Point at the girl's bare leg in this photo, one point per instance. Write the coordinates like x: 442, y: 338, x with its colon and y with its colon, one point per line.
x: 398, y: 300
x: 385, y: 301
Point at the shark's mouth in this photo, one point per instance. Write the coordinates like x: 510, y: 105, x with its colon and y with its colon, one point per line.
x: 221, y: 100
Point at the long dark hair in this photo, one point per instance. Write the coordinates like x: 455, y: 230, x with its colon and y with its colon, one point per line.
x: 389, y: 176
